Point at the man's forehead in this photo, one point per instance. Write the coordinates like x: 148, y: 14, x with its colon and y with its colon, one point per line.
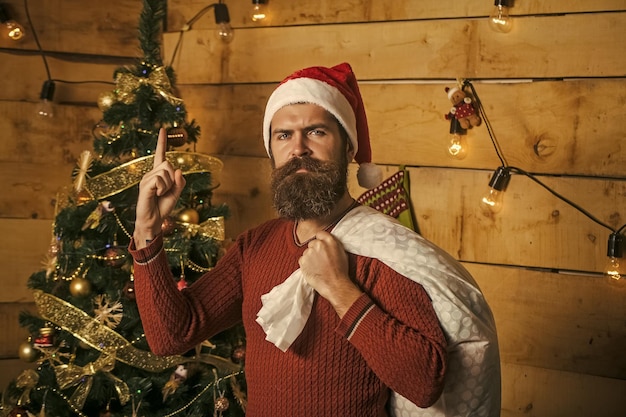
x: 298, y: 112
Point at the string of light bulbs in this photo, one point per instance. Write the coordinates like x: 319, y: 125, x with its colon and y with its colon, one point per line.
x: 45, y: 107
x: 10, y: 28
x: 615, y: 267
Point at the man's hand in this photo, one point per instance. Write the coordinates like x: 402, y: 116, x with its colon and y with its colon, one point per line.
x: 325, y: 267
x: 159, y: 190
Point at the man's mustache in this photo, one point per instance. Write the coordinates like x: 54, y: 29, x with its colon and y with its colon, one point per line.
x: 301, y: 162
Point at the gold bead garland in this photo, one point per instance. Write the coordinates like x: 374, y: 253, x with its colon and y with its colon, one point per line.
x: 63, y: 397
x: 201, y: 393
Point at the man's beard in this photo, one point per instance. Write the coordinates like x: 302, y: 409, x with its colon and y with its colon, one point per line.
x: 311, y: 194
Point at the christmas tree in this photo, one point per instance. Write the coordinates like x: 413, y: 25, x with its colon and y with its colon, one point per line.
x: 87, y: 337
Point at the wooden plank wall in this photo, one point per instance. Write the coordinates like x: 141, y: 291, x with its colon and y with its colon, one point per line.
x: 553, y: 88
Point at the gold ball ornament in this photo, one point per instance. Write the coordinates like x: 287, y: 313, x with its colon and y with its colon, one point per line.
x: 80, y: 287
x: 176, y: 136
x: 106, y: 100
x: 188, y: 215
x: 27, y: 352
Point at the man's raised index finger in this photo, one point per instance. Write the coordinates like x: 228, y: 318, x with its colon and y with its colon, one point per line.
x: 159, y: 153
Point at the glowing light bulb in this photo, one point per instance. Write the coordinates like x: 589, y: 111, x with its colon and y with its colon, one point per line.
x: 10, y: 28
x: 45, y: 107
x: 493, y: 200
x: 224, y: 30
x: 457, y: 147
x: 616, y: 266
x: 499, y: 19
x: 259, y: 10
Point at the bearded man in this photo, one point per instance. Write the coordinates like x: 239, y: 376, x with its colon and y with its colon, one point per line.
x: 332, y: 329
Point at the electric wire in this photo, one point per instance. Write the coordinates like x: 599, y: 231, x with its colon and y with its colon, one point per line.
x: 517, y: 170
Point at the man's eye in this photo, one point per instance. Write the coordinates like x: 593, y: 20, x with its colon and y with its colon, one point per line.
x: 317, y: 132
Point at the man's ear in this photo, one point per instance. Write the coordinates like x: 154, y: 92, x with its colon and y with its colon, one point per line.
x: 349, y: 151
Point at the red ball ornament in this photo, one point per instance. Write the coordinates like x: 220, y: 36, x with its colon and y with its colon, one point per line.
x: 222, y: 404
x: 19, y: 412
x: 129, y: 290
x: 115, y: 257
x: 168, y: 226
x: 176, y: 136
x: 182, y: 284
x: 238, y: 354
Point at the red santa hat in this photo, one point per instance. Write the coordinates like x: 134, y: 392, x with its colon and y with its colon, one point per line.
x: 337, y: 91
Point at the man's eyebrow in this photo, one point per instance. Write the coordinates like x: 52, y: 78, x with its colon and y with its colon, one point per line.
x: 306, y: 128
x: 281, y: 130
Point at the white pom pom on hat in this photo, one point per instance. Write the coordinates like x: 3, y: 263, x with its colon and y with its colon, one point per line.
x: 336, y: 90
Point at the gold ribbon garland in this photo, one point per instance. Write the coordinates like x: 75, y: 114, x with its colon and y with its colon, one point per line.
x: 127, y: 83
x: 98, y: 336
x: 130, y: 173
x: 212, y: 227
x: 82, y: 376
x: 27, y: 380
x: 108, y: 341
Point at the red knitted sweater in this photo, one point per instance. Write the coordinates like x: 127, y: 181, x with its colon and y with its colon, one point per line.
x: 389, y: 339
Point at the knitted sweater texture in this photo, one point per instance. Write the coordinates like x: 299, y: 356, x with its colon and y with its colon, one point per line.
x: 389, y: 339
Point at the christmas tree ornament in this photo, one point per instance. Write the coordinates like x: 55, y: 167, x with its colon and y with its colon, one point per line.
x: 93, y: 220
x: 80, y: 173
x: 27, y: 352
x: 238, y: 354
x: 115, y: 256
x: 182, y: 284
x: 129, y: 290
x: 106, y: 100
x: 80, y: 287
x: 83, y: 197
x: 188, y: 215
x: 168, y: 226
x: 45, y: 338
x: 221, y: 403
x: 19, y: 411
x: 54, y: 247
x: 107, y: 312
x: 176, y: 135
x: 177, y: 378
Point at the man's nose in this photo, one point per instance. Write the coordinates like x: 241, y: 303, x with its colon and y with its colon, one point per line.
x: 300, y: 145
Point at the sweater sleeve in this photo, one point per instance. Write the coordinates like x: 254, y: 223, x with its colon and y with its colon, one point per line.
x: 176, y: 321
x: 396, y: 330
